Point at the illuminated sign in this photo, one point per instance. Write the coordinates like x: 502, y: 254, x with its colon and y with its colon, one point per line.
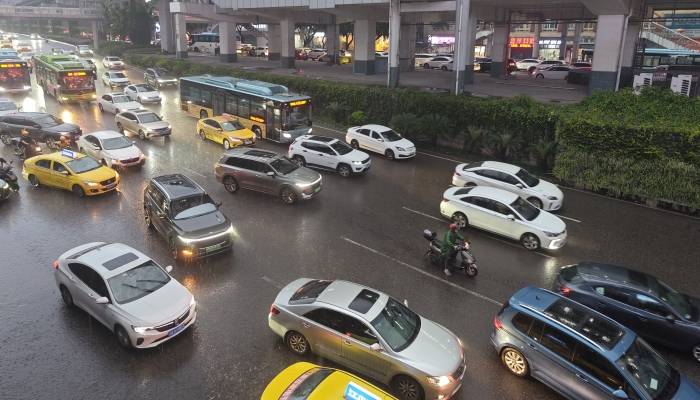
x: 550, y: 43
x: 436, y: 40
x: 256, y: 119
x: 526, y: 42
x: 298, y: 103
x: 355, y: 392
x: 80, y: 73
x: 10, y: 65
x: 68, y: 153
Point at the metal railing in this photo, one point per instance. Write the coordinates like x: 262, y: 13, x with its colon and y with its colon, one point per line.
x: 675, y: 39
x: 56, y: 12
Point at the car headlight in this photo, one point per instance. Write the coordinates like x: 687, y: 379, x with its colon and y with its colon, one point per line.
x: 439, y: 381
x: 550, y: 234
x: 400, y: 148
x: 303, y: 185
x: 357, y: 162
x: 310, y: 130
x: 552, y: 198
x: 92, y: 183
x: 142, y: 329
x: 287, y: 135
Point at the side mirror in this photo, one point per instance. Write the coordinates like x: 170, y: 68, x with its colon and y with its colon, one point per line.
x: 169, y: 269
x: 376, y: 347
x: 511, y: 217
x: 380, y: 139
x: 102, y: 300
x: 270, y: 173
x: 519, y: 185
x: 405, y: 302
x: 670, y: 318
x: 65, y: 173
x: 620, y: 394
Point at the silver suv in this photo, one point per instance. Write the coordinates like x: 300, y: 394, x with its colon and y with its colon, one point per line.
x: 146, y: 124
x: 267, y: 172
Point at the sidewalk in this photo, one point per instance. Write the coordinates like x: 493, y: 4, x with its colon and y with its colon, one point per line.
x: 557, y: 91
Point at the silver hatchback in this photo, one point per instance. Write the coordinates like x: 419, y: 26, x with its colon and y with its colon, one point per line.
x: 144, y: 123
x: 367, y: 330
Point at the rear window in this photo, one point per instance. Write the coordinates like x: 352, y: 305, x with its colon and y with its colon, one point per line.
x: 569, y: 273
x: 463, y: 191
x: 310, y: 291
x: 303, y: 386
x: 594, y: 327
x: 364, y: 301
x: 472, y: 165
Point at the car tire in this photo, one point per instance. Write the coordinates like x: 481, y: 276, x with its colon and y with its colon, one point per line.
x: 288, y: 195
x: 142, y: 135
x: 78, y: 191
x: 389, y: 154
x: 355, y: 144
x: 535, y: 202
x: 696, y: 352
x: 444, y: 68
x: 203, y: 114
x: 406, y: 388
x: 120, y: 128
x: 461, y: 220
x: 202, y: 135
x: 227, y: 144
x: 297, y: 343
x: 230, y: 184
x: 515, y: 362
x: 299, y: 160
x: 122, y: 337
x: 530, y: 241
x: 99, y: 105
x: 529, y: 70
x: 426, y: 66
x: 6, y: 139
x: 344, y: 170
x: 66, y: 296
x: 33, y: 180
x: 539, y: 76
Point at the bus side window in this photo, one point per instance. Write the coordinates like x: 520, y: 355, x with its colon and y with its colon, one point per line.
x: 231, y: 105
x: 243, y: 107
x: 256, y: 107
x: 205, y: 96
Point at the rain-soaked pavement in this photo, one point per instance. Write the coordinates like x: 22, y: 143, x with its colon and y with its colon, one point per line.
x: 365, y: 229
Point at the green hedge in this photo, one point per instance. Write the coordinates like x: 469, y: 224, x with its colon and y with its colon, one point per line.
x: 122, y: 49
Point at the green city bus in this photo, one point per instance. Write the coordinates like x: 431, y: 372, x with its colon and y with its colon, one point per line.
x: 65, y: 78
x: 268, y: 109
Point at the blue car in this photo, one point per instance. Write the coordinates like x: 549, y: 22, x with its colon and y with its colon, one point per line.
x: 637, y: 300
x: 581, y: 353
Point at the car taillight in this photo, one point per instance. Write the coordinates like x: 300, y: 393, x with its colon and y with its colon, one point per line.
x: 497, y: 322
x: 274, y: 310
x: 564, y: 290
x: 55, y: 264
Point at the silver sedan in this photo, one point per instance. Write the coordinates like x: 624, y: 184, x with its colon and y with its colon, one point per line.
x: 126, y: 291
x: 366, y: 330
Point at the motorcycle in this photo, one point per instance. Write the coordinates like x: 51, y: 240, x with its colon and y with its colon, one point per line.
x: 8, y: 176
x: 24, y: 151
x: 464, y: 260
x: 5, y: 190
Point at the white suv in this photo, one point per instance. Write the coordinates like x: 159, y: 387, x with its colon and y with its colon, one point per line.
x: 328, y: 153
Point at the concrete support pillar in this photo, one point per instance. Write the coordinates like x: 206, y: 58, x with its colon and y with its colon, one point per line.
x: 227, y: 42
x: 562, y: 46
x: 609, y: 41
x: 628, y: 52
x: 577, y: 42
x: 167, y: 34
x: 465, y: 34
x: 394, y: 41
x: 364, y: 33
x: 332, y: 43
x: 407, y: 46
x: 180, y: 35
x: 287, y: 48
x: 274, y: 42
x: 95, y: 36
x: 498, y: 52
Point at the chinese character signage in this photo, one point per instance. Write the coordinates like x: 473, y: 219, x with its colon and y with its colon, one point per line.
x: 522, y: 42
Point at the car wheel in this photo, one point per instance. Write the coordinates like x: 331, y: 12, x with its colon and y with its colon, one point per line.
x: 355, y: 145
x: 78, y: 191
x: 426, y: 66
x: 696, y: 353
x: 515, y: 362
x: 539, y: 76
x: 66, y: 296
x: 530, y: 241
x: 297, y: 343
x: 299, y: 160
x: 203, y: 114
x: 202, y: 135
x: 535, y: 202
x: 120, y: 128
x: 389, y: 154
x: 288, y: 196
x: 406, y: 388
x: 444, y: 68
x: 227, y: 145
x: 100, y: 107
x: 344, y: 170
x: 6, y: 139
x: 230, y: 184
x: 461, y: 220
x: 34, y: 181
x: 122, y: 337
x: 142, y: 135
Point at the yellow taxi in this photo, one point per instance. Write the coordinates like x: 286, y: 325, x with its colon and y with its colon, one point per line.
x: 72, y: 171
x: 306, y: 381
x: 225, y: 130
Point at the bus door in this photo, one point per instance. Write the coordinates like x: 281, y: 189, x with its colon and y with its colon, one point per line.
x: 273, y: 125
x: 218, y: 103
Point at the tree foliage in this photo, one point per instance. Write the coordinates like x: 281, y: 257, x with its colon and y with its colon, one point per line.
x: 133, y: 19
x: 346, y: 31
x: 307, y: 33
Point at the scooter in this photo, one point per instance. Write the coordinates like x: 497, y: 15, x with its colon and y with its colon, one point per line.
x: 24, y: 151
x: 464, y: 260
x: 5, y: 190
x: 7, y: 175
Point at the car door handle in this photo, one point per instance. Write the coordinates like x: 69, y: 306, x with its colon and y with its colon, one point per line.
x: 303, y: 151
x: 305, y: 325
x: 345, y: 341
x: 320, y: 154
x: 582, y: 378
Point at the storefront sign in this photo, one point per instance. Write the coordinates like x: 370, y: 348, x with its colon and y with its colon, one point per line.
x: 527, y: 42
x: 434, y: 40
x: 550, y: 43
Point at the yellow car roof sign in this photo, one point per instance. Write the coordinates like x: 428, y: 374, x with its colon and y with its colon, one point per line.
x: 356, y: 392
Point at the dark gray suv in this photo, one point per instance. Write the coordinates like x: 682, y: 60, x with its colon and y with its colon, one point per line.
x: 268, y: 172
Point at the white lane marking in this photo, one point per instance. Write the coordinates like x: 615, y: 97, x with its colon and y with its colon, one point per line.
x: 272, y: 282
x: 451, y: 284
x: 423, y: 214
x: 569, y: 218
x: 331, y: 129
x: 440, y: 157
x: 194, y: 172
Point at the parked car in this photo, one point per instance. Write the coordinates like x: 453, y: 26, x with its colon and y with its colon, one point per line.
x: 111, y: 62
x: 42, y: 127
x: 126, y: 291
x: 314, y: 54
x: 371, y: 332
x: 503, y: 213
x: 579, y: 65
x: 330, y: 154
x: 439, y: 62
x: 89, y: 64
x: 580, y: 353
x: 553, y: 72
x: 159, y: 77
x: 580, y: 76
x: 512, y: 178
x: 145, y: 123
x: 7, y: 106
x: 259, y: 51
x: 115, y: 79
x: 421, y: 58
x: 380, y: 139
x: 525, y: 64
x: 117, y: 102
x: 544, y: 64
x: 191, y: 222
x: 111, y: 149
x: 637, y: 300
x: 226, y: 131
x: 267, y: 172
x: 84, y: 50
x: 301, y: 55
x: 143, y: 93
x: 482, y: 64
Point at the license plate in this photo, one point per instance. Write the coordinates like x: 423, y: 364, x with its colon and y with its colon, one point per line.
x: 212, y: 248
x: 176, y: 330
x: 110, y: 186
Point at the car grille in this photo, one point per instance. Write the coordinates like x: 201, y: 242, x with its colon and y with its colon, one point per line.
x: 161, y: 130
x: 212, y: 246
x: 460, y: 370
x: 130, y: 160
x: 108, y: 181
x: 170, y: 325
x: 365, y: 161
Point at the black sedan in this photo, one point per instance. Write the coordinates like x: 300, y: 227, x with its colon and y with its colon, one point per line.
x: 42, y: 127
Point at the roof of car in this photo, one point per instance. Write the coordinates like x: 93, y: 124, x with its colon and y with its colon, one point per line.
x: 253, y: 154
x: 105, y: 134
x: 341, y: 293
x: 177, y: 185
x: 222, y: 118
x: 97, y: 254
x: 375, y: 127
x: 57, y: 156
x: 592, y: 271
x: 490, y: 193
x: 30, y: 114
x: 142, y: 111
x: 499, y: 166
x: 320, y: 139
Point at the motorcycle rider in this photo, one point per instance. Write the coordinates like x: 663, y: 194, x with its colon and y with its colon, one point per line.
x: 448, y: 247
x: 27, y: 143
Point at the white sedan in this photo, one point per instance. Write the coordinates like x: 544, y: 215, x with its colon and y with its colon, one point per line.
x: 439, y: 62
x: 553, y: 72
x: 524, y: 65
x: 117, y: 102
x: 380, y: 139
x: 512, y: 178
x: 503, y: 213
x: 115, y: 79
x: 111, y: 148
x: 143, y: 93
x: 111, y: 62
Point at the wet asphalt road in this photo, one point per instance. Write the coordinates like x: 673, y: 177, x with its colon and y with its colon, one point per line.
x: 365, y: 229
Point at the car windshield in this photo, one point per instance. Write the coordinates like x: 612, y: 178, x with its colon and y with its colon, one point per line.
x: 341, y: 148
x: 678, y: 301
x: 525, y: 209
x: 397, y: 325
x: 529, y: 180
x: 149, y: 117
x: 48, y: 121
x: 117, y: 75
x: 231, y: 126
x: 650, y: 372
x: 197, y: 211
x: 160, y: 71
x: 120, y: 99
x: 83, y: 164
x: 179, y: 207
x: 137, y: 282
x: 144, y: 88
x: 390, y: 136
x: 113, y: 59
x: 7, y: 105
x: 284, y: 165
x: 119, y: 142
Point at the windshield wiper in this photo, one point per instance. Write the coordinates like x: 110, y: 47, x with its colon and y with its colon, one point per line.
x: 151, y: 280
x: 138, y: 288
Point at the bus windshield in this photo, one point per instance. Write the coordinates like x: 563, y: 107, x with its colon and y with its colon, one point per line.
x: 76, y: 81
x: 13, y: 77
x: 298, y: 117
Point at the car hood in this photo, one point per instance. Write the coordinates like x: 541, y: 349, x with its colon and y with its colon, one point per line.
x: 64, y: 127
x: 548, y: 189
x: 161, y: 306
x: 435, y: 351
x: 548, y: 222
x: 304, y: 175
x: 156, y: 125
x: 241, y: 134
x: 357, y: 155
x: 203, y: 225
x: 124, y: 153
x: 149, y: 94
x: 128, y: 105
x: 405, y: 143
x: 119, y: 80
x: 687, y: 390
